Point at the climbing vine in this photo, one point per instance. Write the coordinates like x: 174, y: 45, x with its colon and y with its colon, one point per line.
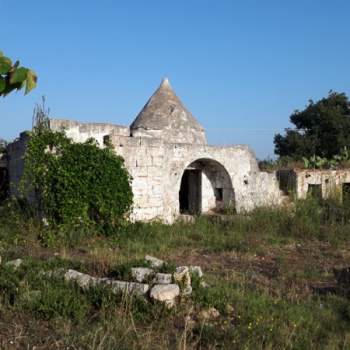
x: 75, y: 182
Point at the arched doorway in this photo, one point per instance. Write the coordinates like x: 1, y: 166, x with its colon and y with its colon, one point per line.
x: 205, y: 186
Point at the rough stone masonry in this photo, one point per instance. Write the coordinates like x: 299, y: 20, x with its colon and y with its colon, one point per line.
x: 174, y: 170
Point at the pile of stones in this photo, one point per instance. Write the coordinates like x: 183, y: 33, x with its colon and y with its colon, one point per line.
x: 148, y: 281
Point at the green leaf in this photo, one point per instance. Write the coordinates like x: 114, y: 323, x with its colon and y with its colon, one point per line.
x: 1, y: 53
x: 31, y: 81
x: 19, y: 75
x: 2, y: 84
x: 5, y: 65
x: 9, y: 88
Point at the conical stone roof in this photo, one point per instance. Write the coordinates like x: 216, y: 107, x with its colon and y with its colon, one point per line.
x: 164, y: 116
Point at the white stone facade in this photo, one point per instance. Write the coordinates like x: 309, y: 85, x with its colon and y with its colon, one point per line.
x: 188, y: 176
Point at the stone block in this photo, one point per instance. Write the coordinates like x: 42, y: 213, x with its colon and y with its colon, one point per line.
x: 182, y: 275
x: 86, y: 281
x: 83, y: 280
x: 15, y: 264
x: 126, y: 287
x: 165, y: 293
x: 155, y: 262
x: 163, y: 278
x: 141, y: 274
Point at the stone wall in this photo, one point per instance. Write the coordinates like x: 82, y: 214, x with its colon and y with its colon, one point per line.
x: 145, y: 160
x: 15, y: 163
x: 251, y: 187
x: 80, y: 132
x: 330, y: 181
x: 157, y: 167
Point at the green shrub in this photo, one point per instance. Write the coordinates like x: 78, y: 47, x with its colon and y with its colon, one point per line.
x: 9, y: 285
x: 76, y: 182
x: 56, y: 299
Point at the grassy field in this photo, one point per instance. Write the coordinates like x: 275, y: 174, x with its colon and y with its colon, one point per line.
x: 270, y: 276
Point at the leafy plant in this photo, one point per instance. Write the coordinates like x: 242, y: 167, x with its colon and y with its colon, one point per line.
x: 317, y: 162
x: 15, y: 77
x: 75, y: 183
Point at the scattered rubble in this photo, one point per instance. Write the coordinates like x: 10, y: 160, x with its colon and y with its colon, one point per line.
x: 166, y: 293
x: 209, y: 314
x: 182, y: 276
x: 85, y: 281
x: 159, y: 286
x: 186, y: 291
x: 154, y: 262
x: 141, y: 274
x: 163, y: 278
x: 14, y: 263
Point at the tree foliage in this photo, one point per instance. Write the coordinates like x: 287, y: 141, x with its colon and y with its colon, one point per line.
x: 15, y: 77
x: 76, y: 182
x: 322, y: 129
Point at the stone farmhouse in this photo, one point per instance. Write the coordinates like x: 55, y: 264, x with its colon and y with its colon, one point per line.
x: 174, y: 171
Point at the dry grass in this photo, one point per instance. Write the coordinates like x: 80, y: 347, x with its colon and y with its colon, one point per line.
x: 265, y: 272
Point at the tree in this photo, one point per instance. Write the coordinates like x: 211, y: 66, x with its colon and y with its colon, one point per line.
x: 322, y: 129
x: 15, y: 77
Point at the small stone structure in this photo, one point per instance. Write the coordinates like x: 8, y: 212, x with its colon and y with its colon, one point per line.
x: 318, y: 182
x: 174, y: 170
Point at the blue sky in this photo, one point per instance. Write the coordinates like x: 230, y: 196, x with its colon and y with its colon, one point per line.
x: 241, y: 67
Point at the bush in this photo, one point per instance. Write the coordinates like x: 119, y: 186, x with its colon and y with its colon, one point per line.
x: 76, y: 182
x: 55, y: 299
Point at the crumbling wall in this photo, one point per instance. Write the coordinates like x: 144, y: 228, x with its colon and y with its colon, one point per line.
x: 287, y: 180
x: 239, y: 162
x: 3, y: 177
x: 157, y: 167
x: 330, y: 181
x: 80, y: 132
x: 15, y: 161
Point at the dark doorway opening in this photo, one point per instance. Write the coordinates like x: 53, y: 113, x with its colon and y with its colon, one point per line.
x: 346, y: 192
x: 4, y: 184
x: 191, y: 192
x: 315, y: 191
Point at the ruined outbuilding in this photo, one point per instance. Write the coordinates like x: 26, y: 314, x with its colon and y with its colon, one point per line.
x: 173, y: 168
x: 320, y: 183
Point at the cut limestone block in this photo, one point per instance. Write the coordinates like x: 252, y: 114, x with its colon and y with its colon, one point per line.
x: 14, y: 263
x: 141, y: 274
x: 186, y: 291
x: 127, y: 287
x: 82, y: 279
x: 163, y: 278
x: 155, y: 262
x: 166, y: 293
x: 85, y: 281
x: 182, y: 275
